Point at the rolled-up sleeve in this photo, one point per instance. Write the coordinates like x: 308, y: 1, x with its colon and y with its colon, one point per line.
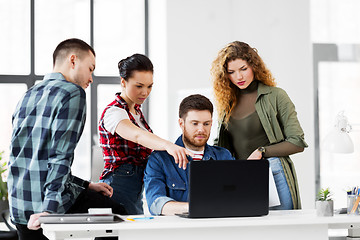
x: 158, y: 204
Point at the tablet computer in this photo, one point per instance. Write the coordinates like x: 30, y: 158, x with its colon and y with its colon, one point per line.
x: 80, y: 218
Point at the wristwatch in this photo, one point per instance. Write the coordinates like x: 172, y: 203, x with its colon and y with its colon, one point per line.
x: 262, y: 150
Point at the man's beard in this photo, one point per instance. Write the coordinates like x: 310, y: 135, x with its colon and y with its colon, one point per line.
x: 192, y: 143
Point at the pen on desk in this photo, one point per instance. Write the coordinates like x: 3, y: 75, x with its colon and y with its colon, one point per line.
x: 139, y: 218
x: 356, y: 203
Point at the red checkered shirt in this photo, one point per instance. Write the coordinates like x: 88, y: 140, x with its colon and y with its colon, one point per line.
x: 117, y: 150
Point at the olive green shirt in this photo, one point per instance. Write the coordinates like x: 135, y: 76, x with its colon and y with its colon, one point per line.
x: 249, y: 128
x: 279, y: 120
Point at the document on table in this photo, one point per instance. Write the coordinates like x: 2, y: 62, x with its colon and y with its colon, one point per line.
x: 273, y: 194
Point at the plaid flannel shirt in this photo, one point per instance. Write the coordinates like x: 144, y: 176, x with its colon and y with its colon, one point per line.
x: 47, y: 124
x: 117, y: 150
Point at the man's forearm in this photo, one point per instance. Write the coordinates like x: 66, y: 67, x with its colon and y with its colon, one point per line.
x: 173, y: 207
x: 80, y: 182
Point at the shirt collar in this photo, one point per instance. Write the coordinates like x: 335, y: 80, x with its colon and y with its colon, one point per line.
x: 54, y: 75
x: 208, y: 154
x: 263, y: 89
x: 122, y: 102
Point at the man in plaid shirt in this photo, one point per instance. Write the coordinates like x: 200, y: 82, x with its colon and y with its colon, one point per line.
x: 47, y: 125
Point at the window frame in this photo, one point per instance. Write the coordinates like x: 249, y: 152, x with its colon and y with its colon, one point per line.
x: 31, y: 78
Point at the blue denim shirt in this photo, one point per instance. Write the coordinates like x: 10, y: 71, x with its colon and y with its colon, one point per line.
x: 165, y: 181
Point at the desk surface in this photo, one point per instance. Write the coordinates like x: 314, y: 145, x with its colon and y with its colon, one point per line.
x: 293, y: 219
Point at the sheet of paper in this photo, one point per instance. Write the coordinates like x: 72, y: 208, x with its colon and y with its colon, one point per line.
x: 273, y: 194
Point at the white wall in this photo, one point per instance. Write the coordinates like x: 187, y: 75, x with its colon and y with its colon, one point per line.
x: 185, y: 36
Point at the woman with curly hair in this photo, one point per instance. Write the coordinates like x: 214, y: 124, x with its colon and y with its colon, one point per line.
x: 258, y: 120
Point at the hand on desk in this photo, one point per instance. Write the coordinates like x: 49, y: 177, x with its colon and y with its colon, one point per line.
x: 101, y: 187
x: 34, y: 223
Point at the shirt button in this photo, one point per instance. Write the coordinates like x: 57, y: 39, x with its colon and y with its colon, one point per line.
x: 173, y: 185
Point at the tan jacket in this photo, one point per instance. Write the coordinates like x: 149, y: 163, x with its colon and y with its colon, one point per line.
x: 279, y: 120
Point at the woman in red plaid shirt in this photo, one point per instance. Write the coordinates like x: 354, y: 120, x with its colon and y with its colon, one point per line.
x: 126, y: 138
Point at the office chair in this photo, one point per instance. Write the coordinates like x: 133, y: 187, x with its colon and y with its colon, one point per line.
x: 12, y: 233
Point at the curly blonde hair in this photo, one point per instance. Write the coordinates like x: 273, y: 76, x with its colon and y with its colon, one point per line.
x: 224, y: 89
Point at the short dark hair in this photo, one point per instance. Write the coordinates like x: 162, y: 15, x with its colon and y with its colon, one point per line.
x: 135, y: 62
x: 72, y: 44
x: 194, y: 102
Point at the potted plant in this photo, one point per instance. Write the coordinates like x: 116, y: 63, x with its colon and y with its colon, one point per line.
x: 324, y: 203
x: 3, y: 186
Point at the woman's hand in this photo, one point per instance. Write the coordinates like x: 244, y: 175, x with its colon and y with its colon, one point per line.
x: 102, y: 187
x: 179, y: 153
x: 255, y: 155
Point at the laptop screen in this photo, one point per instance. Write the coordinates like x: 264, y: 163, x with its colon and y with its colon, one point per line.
x: 228, y: 188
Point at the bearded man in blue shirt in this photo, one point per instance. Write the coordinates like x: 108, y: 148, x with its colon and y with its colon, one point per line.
x: 166, y: 185
x: 47, y: 125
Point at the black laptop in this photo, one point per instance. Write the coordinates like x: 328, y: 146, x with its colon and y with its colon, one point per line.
x: 228, y: 188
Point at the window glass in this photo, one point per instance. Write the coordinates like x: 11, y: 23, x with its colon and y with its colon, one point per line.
x: 15, y: 37
x: 82, y: 161
x: 334, y: 21
x: 56, y: 21
x: 119, y: 31
x: 106, y: 94
x: 73, y: 21
x: 337, y: 22
x: 10, y: 95
x: 339, y: 83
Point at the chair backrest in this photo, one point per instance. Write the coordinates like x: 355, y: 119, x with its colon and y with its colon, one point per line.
x: 97, y: 164
x: 12, y: 233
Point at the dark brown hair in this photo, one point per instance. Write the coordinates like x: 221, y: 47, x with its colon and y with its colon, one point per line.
x: 72, y: 44
x: 194, y: 102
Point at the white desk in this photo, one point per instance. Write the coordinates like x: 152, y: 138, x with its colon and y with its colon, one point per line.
x: 279, y: 225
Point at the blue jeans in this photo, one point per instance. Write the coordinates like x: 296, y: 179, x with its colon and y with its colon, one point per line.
x: 127, y: 182
x: 281, y: 185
